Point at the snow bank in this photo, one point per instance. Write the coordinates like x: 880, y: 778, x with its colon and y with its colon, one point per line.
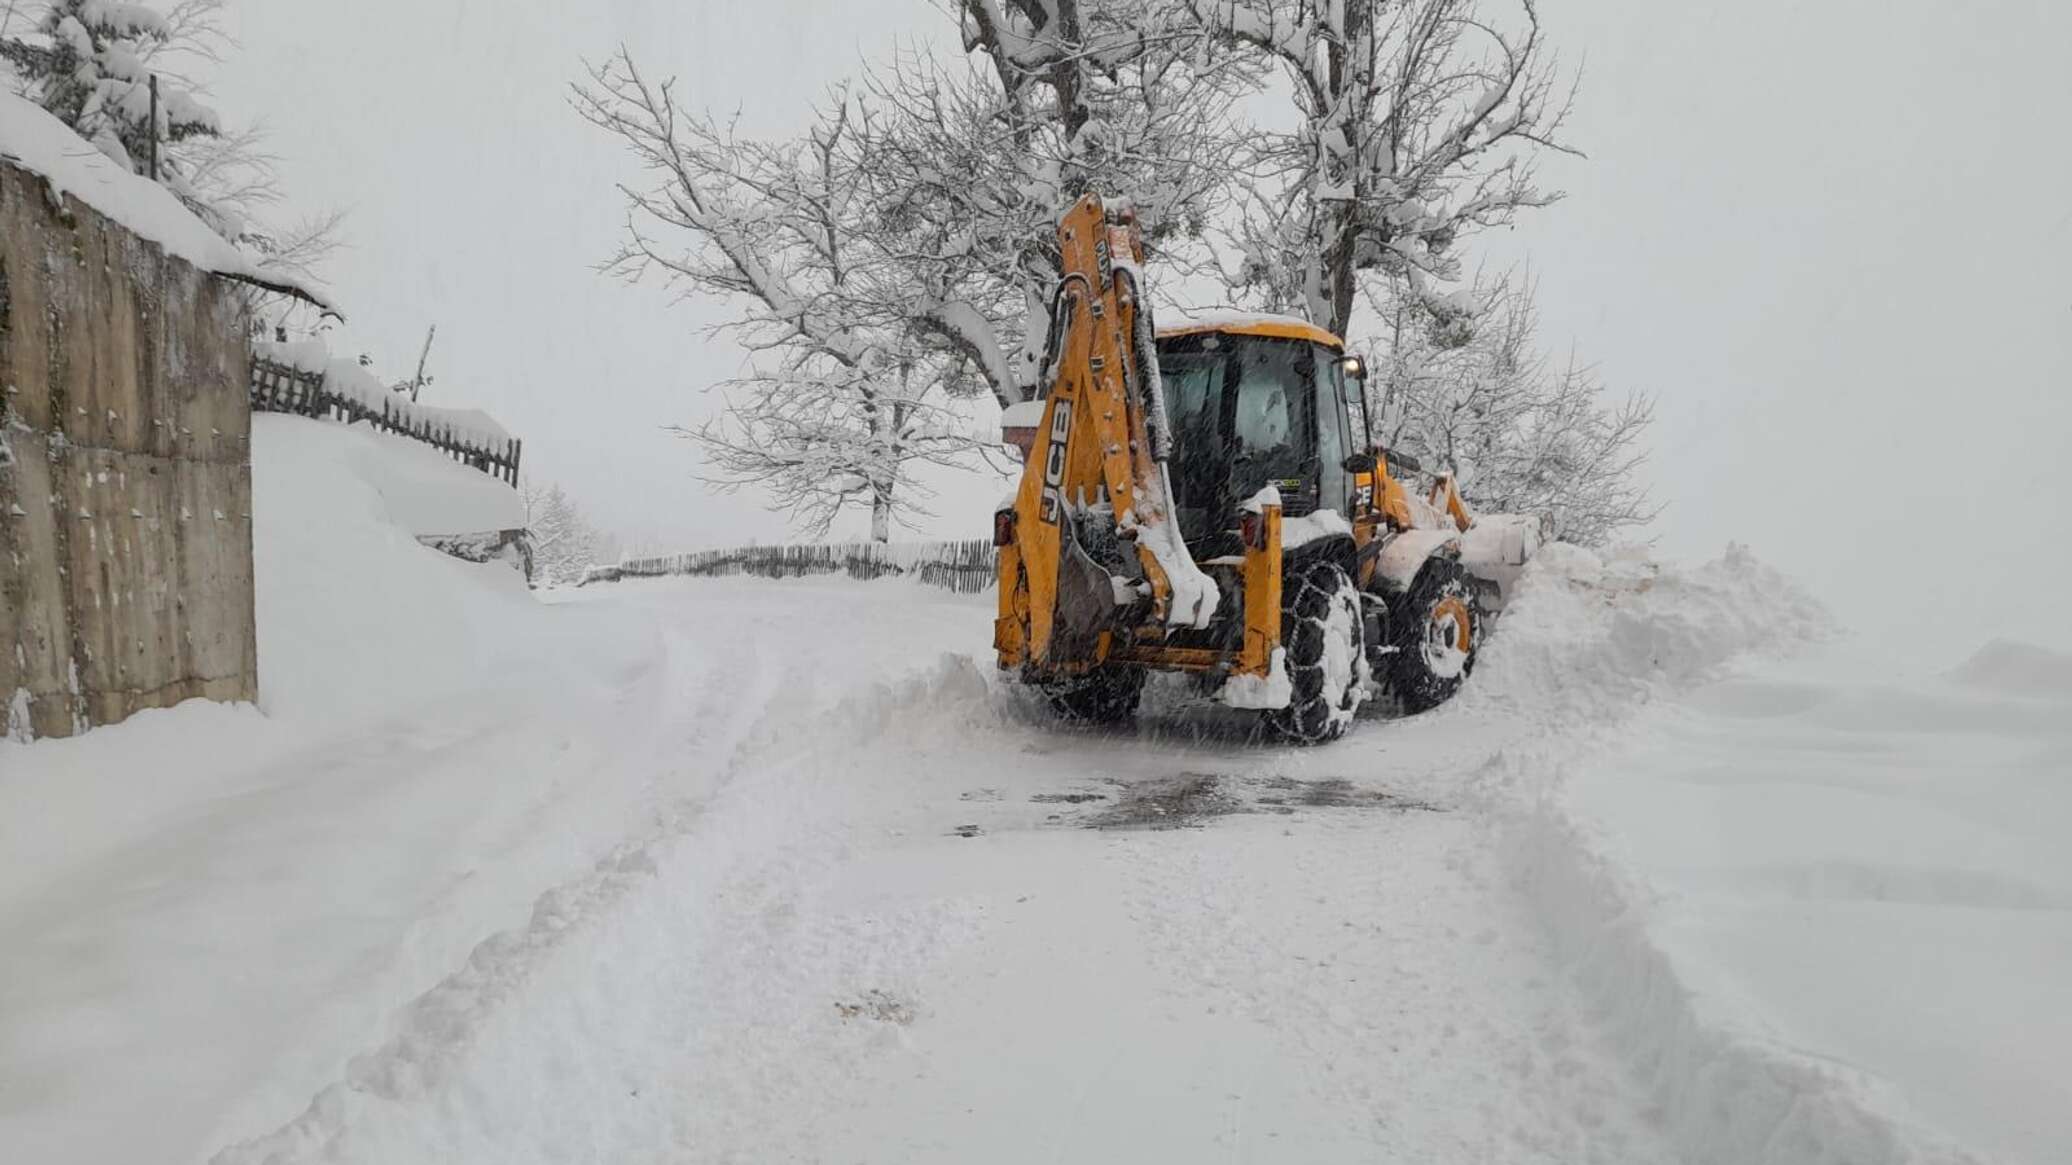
x: 2016, y: 669
x: 36, y: 141
x: 422, y: 490
x: 1861, y: 881
x: 1823, y: 915
x: 1587, y: 639
x: 337, y: 510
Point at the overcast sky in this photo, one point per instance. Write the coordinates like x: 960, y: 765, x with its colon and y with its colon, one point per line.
x: 1831, y: 238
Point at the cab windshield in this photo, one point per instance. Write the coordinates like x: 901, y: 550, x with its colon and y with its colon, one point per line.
x: 1244, y: 415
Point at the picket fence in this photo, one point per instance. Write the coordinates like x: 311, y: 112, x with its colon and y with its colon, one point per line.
x: 966, y: 567
x: 284, y: 386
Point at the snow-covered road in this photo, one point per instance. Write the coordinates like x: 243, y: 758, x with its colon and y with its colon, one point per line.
x: 926, y: 924
x: 737, y: 870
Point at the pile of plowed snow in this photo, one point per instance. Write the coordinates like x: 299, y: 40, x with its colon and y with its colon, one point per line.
x: 1820, y: 898
x: 1590, y: 638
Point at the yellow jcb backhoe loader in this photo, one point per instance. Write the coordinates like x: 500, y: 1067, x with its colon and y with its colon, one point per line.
x: 1207, y: 499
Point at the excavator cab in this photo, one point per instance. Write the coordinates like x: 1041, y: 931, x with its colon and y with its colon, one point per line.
x: 1205, y: 498
x: 1255, y: 402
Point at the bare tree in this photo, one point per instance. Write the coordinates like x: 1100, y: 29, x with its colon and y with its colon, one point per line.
x: 1419, y: 121
x: 902, y: 254
x: 1067, y: 97
x: 1471, y: 393
x: 820, y: 440
x: 851, y: 390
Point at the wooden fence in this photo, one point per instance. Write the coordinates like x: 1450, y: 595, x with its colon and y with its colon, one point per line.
x: 965, y: 567
x: 285, y: 388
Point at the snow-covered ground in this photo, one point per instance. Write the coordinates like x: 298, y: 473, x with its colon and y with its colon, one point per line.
x: 1861, y: 879
x: 732, y: 870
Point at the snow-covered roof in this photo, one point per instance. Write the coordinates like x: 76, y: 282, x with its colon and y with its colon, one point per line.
x: 1183, y: 323
x: 41, y: 144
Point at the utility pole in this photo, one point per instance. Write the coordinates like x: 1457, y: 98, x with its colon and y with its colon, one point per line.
x: 418, y: 381
x: 154, y: 126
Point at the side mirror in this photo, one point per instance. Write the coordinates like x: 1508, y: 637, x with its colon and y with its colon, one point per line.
x: 1363, y: 463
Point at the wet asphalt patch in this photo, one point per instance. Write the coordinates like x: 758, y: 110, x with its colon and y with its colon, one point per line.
x: 1191, y: 799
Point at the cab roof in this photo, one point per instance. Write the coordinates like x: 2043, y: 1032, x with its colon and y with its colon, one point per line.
x: 1249, y: 324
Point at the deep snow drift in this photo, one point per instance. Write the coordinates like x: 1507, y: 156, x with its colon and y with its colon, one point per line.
x: 1862, y: 886
x: 701, y: 870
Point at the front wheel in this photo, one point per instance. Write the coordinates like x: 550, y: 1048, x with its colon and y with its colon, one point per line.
x: 1324, y: 638
x: 1435, y: 634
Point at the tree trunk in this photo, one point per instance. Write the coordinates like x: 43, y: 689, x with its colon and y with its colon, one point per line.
x: 881, y: 514
x: 1349, y: 73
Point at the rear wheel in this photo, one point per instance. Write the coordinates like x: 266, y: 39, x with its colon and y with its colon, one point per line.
x: 1106, y: 695
x: 1435, y: 633
x: 1324, y: 639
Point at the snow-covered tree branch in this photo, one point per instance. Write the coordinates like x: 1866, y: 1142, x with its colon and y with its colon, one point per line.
x: 856, y: 356
x: 901, y: 254
x: 1418, y: 122
x: 1473, y: 394
x: 1070, y: 96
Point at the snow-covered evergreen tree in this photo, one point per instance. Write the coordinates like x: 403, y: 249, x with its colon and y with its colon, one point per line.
x: 89, y: 63
x: 564, y: 542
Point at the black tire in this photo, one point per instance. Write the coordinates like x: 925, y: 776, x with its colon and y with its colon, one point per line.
x: 1324, y: 639
x: 1436, y: 630
x: 1105, y: 695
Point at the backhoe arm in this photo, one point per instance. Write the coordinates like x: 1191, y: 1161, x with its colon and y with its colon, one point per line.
x: 1095, y: 486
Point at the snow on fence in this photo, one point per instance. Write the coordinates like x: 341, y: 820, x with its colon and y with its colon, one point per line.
x: 304, y: 380
x: 965, y: 567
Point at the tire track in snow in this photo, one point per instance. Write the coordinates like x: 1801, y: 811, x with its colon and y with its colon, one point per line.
x: 436, y: 1032
x: 770, y: 955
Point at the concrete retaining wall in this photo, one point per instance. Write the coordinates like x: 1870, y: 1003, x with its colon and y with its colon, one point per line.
x: 125, y: 474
